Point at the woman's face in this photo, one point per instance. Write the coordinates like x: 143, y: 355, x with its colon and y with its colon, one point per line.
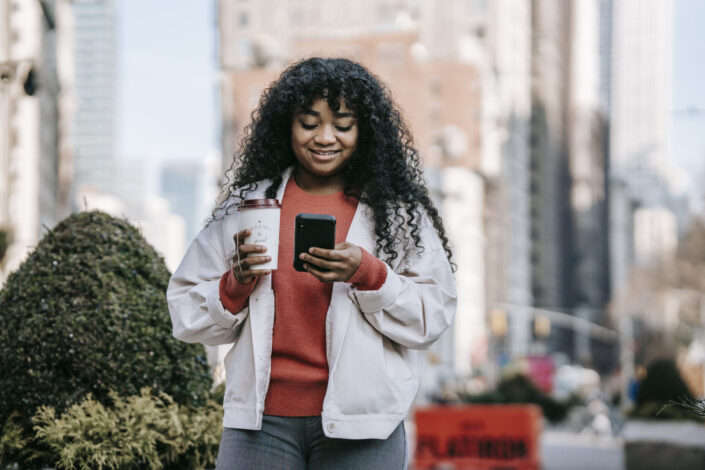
x: 323, y: 140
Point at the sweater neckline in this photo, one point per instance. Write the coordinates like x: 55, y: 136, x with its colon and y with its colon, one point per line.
x: 293, y: 186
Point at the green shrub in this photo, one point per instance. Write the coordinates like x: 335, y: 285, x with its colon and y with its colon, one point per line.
x: 519, y: 388
x: 144, y: 431
x: 86, y: 314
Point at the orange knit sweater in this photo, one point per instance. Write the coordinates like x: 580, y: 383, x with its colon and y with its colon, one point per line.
x: 299, y: 373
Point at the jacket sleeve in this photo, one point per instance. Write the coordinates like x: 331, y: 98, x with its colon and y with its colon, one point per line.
x: 413, y: 308
x: 197, y: 314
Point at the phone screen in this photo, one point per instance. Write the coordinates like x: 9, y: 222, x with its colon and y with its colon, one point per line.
x: 312, y: 230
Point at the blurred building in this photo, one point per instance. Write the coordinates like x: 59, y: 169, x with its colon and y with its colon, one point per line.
x: 162, y: 226
x: 589, y: 290
x: 94, y: 46
x: 35, y: 161
x: 495, y: 38
x: 191, y: 187
x: 568, y: 192
x: 655, y: 234
x: 621, y: 234
x: 638, y: 50
x: 504, y: 28
x: 642, y: 40
x: 550, y: 151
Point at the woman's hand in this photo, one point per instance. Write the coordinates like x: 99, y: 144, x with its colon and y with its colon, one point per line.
x: 339, y: 264
x: 242, y: 265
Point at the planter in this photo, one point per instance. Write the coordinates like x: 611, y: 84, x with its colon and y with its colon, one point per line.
x: 666, y: 445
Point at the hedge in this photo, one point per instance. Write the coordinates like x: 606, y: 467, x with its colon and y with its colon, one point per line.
x: 86, y: 313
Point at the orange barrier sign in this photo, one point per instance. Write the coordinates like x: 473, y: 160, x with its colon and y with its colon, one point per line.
x: 478, y: 437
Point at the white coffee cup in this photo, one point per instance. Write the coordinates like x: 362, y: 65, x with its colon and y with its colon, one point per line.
x: 261, y: 217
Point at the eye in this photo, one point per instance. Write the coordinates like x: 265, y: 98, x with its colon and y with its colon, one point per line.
x: 308, y: 127
x: 344, y: 129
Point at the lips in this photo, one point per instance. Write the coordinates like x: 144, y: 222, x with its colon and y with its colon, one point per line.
x: 325, y: 153
x: 324, y: 156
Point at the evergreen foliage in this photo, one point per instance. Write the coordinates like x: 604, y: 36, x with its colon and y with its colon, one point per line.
x: 86, y: 313
x: 144, y: 431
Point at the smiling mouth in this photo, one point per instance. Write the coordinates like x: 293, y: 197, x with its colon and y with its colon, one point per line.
x: 324, y: 153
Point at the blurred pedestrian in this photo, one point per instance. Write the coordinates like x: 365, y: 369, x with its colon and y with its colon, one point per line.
x: 321, y: 372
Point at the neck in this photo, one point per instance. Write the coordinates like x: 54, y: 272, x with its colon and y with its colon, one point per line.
x: 317, y: 185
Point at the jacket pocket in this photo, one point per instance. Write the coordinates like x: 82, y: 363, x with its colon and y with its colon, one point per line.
x: 372, y: 375
x: 240, y: 370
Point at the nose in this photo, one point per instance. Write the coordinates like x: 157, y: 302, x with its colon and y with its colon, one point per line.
x: 325, y: 136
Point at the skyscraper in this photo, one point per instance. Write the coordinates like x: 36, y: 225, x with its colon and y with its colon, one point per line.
x: 550, y: 85
x: 94, y: 68
x: 640, y: 96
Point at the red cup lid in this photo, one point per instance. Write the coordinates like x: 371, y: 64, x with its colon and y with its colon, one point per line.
x: 259, y: 204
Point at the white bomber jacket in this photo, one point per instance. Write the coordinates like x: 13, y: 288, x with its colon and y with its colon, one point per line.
x: 371, y: 336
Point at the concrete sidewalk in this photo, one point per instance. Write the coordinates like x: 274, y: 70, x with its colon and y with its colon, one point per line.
x: 563, y: 450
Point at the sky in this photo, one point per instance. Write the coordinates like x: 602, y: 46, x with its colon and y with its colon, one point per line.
x: 167, y: 79
x: 688, y: 130
x: 168, y: 92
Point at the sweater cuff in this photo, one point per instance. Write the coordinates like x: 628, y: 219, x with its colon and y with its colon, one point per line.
x: 371, y: 273
x: 234, y: 295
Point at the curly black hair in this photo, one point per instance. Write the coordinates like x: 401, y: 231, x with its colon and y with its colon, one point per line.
x: 385, y: 170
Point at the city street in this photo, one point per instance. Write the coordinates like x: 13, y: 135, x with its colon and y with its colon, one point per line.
x: 563, y: 450
x: 516, y: 271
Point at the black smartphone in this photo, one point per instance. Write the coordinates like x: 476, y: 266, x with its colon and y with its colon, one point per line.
x: 312, y: 230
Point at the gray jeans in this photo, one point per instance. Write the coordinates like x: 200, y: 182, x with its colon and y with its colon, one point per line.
x: 299, y: 443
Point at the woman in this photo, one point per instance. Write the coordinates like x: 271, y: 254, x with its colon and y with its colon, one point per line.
x: 321, y: 371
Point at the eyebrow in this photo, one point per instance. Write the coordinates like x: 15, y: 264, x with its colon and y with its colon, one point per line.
x: 335, y: 113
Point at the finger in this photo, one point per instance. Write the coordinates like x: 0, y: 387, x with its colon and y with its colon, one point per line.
x: 319, y: 262
x: 257, y: 272
x: 239, y: 237
x: 328, y: 254
x: 247, y: 263
x: 248, y: 248
x: 324, y: 276
x: 246, y: 276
